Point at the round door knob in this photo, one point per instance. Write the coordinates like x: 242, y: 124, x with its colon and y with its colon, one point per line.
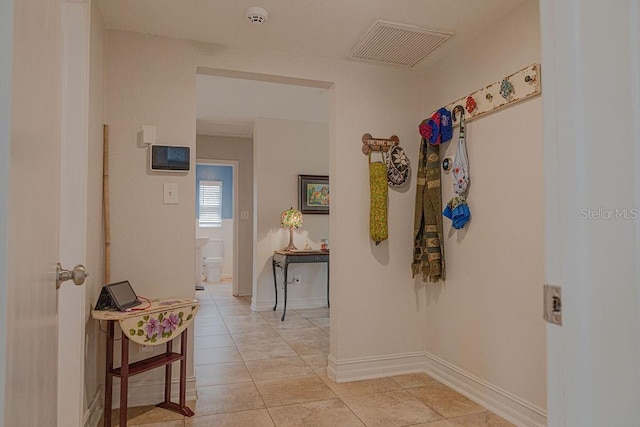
x: 78, y: 275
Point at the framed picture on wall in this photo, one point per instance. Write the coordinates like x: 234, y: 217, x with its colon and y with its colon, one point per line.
x: 313, y: 194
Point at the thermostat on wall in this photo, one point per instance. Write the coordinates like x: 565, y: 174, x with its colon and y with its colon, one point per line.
x: 170, y: 158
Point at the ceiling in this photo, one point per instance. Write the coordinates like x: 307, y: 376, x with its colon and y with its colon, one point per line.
x: 327, y: 28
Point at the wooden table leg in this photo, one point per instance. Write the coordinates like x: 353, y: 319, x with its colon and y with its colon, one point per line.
x: 108, y: 380
x: 183, y: 374
x: 180, y: 407
x: 124, y: 379
x: 167, y: 374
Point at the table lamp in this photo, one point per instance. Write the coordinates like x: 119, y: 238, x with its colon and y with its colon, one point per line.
x: 291, y: 218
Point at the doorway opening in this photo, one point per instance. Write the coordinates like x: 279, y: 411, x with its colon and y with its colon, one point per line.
x: 216, y: 222
x: 274, y: 131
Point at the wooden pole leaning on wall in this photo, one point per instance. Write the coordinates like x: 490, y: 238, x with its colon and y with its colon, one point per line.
x: 105, y: 203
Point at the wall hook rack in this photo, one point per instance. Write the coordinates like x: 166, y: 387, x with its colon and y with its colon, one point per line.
x: 521, y: 85
x: 370, y: 143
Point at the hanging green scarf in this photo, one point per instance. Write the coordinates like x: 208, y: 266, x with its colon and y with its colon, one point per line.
x: 378, y: 187
x: 428, y: 252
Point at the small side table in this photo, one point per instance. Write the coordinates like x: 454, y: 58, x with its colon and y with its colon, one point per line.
x: 282, y: 259
x: 159, y: 324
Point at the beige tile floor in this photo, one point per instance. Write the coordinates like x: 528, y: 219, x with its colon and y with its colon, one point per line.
x: 254, y: 370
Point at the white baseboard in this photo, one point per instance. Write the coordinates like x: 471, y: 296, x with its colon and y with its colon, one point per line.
x: 292, y: 303
x: 143, y: 393
x: 375, y: 367
x: 497, y: 400
x: 96, y: 407
x: 245, y: 291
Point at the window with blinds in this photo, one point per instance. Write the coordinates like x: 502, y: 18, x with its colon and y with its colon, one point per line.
x: 210, y: 213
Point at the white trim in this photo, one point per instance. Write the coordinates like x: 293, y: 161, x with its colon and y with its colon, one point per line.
x: 236, y: 227
x: 245, y: 291
x: 143, y: 393
x: 505, y: 404
x: 592, y: 359
x: 497, y: 400
x: 292, y: 303
x: 76, y: 35
x: 6, y: 52
x: 94, y: 411
x: 549, y: 28
x: 374, y: 367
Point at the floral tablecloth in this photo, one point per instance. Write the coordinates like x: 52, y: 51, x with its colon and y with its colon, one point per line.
x: 162, y: 321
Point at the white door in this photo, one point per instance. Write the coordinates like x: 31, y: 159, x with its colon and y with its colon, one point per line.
x: 33, y: 215
x: 591, y: 79
x: 44, y: 98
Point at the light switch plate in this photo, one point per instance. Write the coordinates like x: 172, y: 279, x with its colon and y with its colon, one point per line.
x: 171, y: 193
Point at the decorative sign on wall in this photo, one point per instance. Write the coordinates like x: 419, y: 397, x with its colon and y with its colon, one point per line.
x: 370, y: 143
x: 393, y: 156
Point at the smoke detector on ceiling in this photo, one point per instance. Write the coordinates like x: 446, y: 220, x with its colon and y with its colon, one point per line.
x: 256, y: 15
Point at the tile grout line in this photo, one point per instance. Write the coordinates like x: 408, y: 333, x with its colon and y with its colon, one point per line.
x: 312, y: 325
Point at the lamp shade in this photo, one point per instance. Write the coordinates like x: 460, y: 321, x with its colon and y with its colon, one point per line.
x: 291, y: 218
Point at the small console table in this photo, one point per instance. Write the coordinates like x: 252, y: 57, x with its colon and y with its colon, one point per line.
x: 282, y: 259
x: 160, y: 323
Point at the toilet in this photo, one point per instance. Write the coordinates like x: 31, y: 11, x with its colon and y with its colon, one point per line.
x: 214, y: 263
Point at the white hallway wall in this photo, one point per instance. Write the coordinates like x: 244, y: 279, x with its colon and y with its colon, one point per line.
x: 486, y: 319
x: 151, y: 80
x: 152, y: 244
x: 284, y: 149
x: 225, y: 98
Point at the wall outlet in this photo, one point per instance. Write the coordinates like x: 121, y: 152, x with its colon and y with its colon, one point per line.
x: 297, y: 279
x: 146, y: 348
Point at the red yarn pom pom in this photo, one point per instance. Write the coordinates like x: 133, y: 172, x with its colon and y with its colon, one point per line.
x: 425, y: 130
x: 471, y: 104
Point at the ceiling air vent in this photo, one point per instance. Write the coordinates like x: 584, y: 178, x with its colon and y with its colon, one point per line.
x: 397, y: 44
